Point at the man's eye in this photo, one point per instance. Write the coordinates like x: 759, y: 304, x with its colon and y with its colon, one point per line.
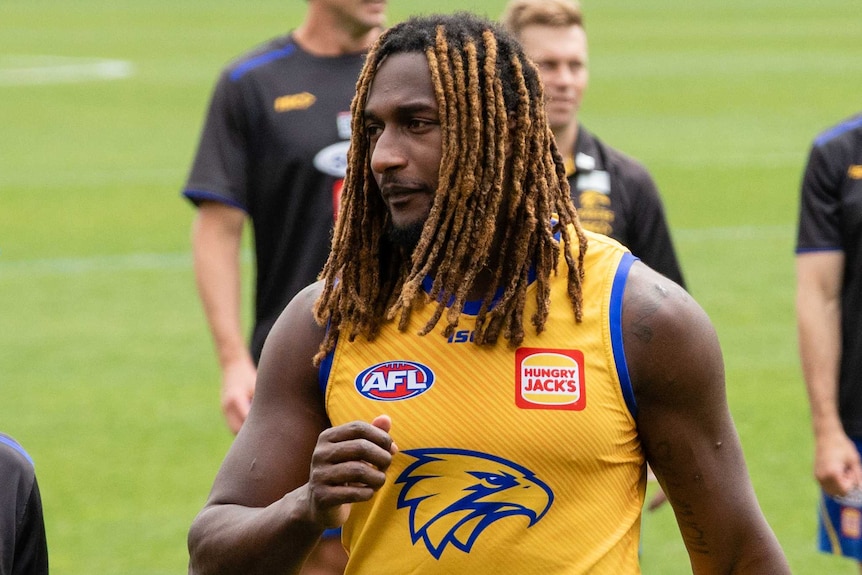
x: 419, y: 124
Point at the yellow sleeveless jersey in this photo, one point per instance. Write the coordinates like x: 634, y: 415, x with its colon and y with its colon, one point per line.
x: 519, y: 460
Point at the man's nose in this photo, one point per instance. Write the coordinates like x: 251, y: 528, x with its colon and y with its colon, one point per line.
x: 387, y: 152
x: 563, y: 75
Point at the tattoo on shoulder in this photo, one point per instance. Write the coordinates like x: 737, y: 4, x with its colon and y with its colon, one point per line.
x: 647, y: 302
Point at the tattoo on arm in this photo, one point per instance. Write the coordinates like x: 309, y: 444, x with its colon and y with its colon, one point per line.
x: 692, y: 532
x: 647, y: 303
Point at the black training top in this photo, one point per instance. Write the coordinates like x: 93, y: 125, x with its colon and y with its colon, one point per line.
x: 23, y: 546
x: 830, y: 218
x: 274, y: 144
x: 616, y: 196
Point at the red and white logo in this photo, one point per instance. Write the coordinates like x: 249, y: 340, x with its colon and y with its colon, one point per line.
x: 394, y: 380
x: 550, y: 379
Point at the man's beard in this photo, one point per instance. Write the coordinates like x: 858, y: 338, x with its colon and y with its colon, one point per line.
x: 406, y: 237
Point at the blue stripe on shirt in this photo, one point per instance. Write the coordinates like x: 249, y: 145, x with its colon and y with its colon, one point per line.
x: 198, y: 196
x: 260, y: 60
x: 841, y: 128
x: 14, y: 445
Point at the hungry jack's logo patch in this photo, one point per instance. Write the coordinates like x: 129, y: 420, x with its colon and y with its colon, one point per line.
x: 550, y: 379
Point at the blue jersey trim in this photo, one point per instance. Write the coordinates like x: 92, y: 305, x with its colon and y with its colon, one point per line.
x: 14, y: 445
x: 198, y: 196
x: 324, y: 371
x: 260, y: 60
x: 815, y: 250
x: 472, y: 307
x: 833, y: 133
x: 325, y: 368
x: 616, y: 320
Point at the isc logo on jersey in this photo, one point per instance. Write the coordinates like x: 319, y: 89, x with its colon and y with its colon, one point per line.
x: 394, y: 380
x: 550, y: 379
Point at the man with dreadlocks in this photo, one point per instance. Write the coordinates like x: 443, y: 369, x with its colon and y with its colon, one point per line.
x: 387, y: 403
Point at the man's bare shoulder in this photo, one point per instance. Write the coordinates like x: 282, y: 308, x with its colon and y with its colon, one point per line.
x: 295, y: 338
x: 652, y: 301
x: 300, y: 309
x: 665, y: 331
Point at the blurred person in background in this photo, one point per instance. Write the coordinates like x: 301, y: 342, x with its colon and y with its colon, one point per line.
x: 23, y: 545
x: 614, y: 194
x: 829, y: 318
x: 273, y: 151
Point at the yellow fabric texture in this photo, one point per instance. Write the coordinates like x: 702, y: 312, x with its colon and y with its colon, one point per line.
x: 511, y: 460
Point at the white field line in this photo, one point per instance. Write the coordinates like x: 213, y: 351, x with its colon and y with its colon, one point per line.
x: 734, y: 233
x: 183, y: 260
x: 82, y: 265
x: 105, y: 264
x: 91, y: 178
x: 40, y: 70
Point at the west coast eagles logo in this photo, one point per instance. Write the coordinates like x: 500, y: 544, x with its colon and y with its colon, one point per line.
x: 454, y: 494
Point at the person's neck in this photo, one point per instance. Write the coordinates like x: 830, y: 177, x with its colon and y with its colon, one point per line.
x: 322, y: 35
x: 566, y: 138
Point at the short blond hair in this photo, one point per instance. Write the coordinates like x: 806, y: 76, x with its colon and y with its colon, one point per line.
x: 557, y: 13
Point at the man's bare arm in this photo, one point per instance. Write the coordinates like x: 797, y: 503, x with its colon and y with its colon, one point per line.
x: 216, y: 237
x: 288, y: 475
x: 688, y: 435
x: 819, y: 277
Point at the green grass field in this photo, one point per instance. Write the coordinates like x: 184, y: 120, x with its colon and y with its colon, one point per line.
x: 107, y: 374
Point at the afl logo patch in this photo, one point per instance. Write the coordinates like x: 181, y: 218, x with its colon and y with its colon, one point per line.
x: 394, y: 380
x: 550, y: 379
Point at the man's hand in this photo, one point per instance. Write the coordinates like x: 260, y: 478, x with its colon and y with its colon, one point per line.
x: 837, y: 464
x: 348, y: 465
x: 237, y: 391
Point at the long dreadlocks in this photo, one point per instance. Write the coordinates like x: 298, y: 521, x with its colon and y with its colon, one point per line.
x: 493, y: 129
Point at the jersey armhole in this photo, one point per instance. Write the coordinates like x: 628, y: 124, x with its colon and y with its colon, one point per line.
x: 616, y: 320
x: 325, y: 369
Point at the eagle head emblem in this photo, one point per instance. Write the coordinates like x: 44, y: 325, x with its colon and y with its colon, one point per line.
x: 454, y: 494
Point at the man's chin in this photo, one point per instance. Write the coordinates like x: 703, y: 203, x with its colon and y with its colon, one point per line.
x: 560, y: 119
x: 406, y: 236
